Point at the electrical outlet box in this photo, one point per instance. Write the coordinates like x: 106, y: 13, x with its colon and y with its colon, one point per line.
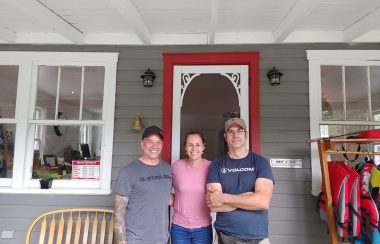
x: 7, y: 234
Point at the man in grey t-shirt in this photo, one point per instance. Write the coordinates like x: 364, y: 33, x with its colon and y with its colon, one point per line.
x: 143, y: 194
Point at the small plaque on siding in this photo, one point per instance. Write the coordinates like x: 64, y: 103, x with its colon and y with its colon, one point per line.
x: 286, y: 163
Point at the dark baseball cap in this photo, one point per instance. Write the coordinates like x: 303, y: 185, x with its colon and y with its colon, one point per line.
x: 238, y: 121
x: 152, y: 130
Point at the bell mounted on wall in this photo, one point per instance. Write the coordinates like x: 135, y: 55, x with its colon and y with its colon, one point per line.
x: 137, y: 123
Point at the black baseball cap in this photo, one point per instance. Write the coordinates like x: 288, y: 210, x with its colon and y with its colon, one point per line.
x: 152, y: 130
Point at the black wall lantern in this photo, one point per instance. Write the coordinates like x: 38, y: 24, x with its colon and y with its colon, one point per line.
x: 148, y: 78
x: 274, y: 77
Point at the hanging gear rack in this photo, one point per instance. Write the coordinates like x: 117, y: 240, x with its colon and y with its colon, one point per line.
x: 327, y: 147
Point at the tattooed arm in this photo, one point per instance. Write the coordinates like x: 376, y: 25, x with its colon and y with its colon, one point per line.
x: 120, y: 206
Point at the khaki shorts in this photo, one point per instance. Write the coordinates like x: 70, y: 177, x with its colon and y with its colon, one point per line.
x: 226, y: 239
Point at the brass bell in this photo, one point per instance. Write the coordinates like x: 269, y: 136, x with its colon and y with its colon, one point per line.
x: 137, y: 124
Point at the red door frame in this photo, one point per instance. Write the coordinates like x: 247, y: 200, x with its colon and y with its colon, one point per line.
x: 234, y: 58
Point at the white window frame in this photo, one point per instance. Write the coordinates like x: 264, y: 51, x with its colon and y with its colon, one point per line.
x: 28, y: 62
x: 317, y: 58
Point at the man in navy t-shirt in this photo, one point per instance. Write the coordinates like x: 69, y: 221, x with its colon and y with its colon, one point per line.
x: 239, y: 189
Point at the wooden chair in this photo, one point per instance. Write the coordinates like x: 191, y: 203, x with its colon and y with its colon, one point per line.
x: 73, y: 226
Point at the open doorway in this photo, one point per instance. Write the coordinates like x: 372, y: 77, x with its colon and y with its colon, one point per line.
x: 208, y: 101
x: 212, y: 91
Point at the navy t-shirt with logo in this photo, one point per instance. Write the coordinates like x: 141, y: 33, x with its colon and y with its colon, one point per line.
x: 238, y: 176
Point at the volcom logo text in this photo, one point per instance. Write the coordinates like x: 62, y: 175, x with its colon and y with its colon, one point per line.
x: 226, y: 170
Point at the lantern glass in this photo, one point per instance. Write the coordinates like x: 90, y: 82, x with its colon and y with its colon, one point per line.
x: 148, y: 78
x: 147, y: 82
x: 275, y: 80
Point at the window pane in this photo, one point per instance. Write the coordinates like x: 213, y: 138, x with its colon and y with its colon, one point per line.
x: 338, y: 130
x: 332, y: 92
x: 357, y: 93
x: 8, y: 91
x: 69, y: 91
x: 350, y: 130
x: 93, y: 93
x: 7, y: 133
x: 53, y: 155
x: 375, y: 92
x: 46, y: 91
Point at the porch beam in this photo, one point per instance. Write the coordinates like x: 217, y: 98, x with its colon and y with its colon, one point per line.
x: 7, y: 35
x: 300, y: 10
x: 213, y: 21
x: 133, y: 18
x: 243, y: 37
x: 365, y: 24
x: 47, y: 17
x: 181, y: 39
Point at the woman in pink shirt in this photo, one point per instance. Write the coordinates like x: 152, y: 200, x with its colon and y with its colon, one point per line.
x: 192, y: 220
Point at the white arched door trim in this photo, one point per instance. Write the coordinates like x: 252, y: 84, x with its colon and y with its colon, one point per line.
x: 182, y: 77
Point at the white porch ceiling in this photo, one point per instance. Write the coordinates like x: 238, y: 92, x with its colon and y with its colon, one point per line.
x: 145, y: 22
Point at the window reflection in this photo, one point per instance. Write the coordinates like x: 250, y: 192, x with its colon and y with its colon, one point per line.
x: 347, y: 97
x: 70, y: 91
x: 8, y: 95
x: 7, y: 133
x: 332, y: 93
x: 46, y: 92
x: 80, y: 92
x: 53, y: 155
x: 375, y: 92
x: 357, y: 93
x: 351, y: 130
x: 8, y: 91
x: 93, y: 93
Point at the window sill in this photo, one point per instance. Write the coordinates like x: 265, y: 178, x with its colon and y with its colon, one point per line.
x: 56, y: 191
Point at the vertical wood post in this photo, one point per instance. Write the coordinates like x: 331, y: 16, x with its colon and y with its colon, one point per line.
x: 328, y: 197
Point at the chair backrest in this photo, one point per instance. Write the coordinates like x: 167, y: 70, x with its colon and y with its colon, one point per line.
x: 73, y: 226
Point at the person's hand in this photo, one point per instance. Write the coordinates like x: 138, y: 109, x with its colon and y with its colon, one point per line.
x: 214, y: 198
x: 208, y: 201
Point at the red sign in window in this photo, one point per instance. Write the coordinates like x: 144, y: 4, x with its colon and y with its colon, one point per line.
x: 86, y: 169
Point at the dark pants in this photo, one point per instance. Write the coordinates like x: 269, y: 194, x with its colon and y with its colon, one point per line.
x: 226, y: 239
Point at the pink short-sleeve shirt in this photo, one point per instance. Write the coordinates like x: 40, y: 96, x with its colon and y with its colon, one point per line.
x: 189, y: 183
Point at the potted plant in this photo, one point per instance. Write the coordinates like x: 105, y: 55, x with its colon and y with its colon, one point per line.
x: 46, y: 182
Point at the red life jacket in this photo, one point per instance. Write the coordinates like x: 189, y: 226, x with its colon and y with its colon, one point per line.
x: 345, y: 188
x: 353, y: 196
x: 369, y: 210
x: 369, y: 134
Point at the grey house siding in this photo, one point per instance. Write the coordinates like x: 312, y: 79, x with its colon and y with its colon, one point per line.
x: 284, y: 132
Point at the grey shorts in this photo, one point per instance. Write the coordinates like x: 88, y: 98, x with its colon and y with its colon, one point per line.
x: 226, y: 239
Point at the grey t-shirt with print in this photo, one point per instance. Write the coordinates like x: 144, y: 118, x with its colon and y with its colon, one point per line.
x: 148, y: 189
